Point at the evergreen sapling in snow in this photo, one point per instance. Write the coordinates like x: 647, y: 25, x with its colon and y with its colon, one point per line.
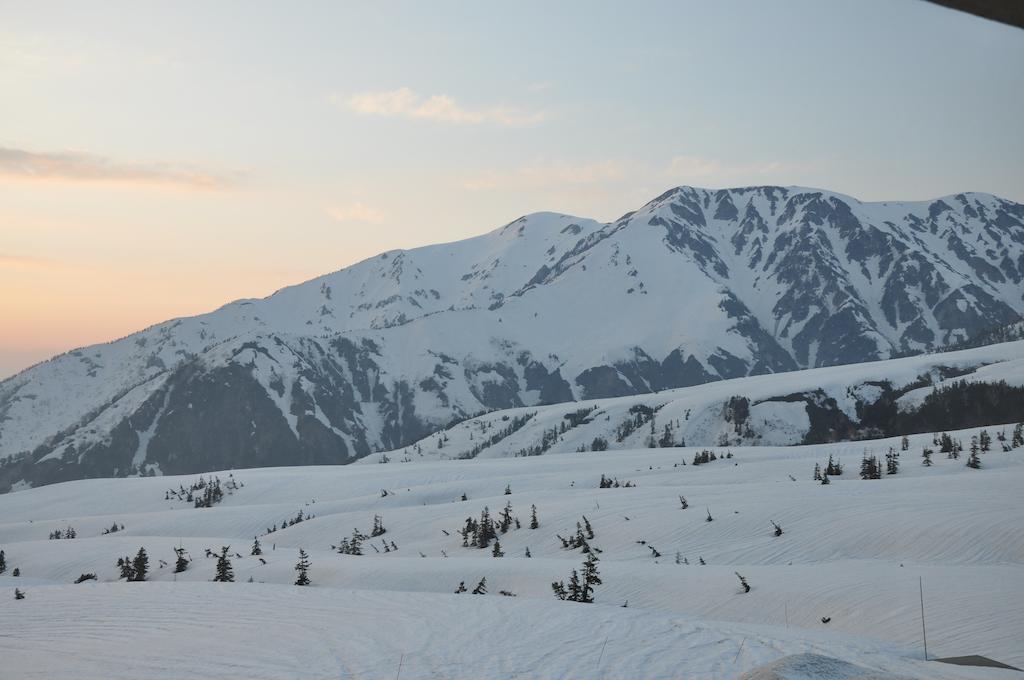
x: 303, y: 568
x: 140, y: 566
x: 225, y: 574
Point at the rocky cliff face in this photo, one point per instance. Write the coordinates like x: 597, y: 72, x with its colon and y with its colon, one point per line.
x: 693, y: 287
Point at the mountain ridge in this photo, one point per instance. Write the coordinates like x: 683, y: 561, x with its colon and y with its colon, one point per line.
x: 696, y: 285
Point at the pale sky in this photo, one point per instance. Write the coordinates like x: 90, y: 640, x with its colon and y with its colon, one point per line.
x: 161, y: 159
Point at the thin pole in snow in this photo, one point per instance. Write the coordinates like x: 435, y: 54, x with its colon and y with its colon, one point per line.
x: 738, y: 651
x: 400, y: 660
x: 601, y: 655
x: 924, y: 635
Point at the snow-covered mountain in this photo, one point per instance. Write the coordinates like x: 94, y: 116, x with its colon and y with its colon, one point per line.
x: 695, y: 286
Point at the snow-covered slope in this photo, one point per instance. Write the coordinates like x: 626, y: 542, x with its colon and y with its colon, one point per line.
x: 816, y: 405
x: 850, y: 552
x: 695, y: 286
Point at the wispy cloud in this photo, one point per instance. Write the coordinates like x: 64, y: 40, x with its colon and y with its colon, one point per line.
x: 549, y: 174
x: 697, y: 169
x: 405, y: 103
x: 620, y: 174
x: 10, y: 261
x: 542, y: 86
x: 75, y: 166
x: 356, y: 212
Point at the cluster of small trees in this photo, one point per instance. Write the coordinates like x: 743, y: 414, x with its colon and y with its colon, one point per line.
x: 705, y: 456
x: 480, y: 589
x: 947, y: 445
x: 870, y: 468
x: 291, y: 521
x: 982, y: 443
x: 832, y: 469
x: 354, y: 544
x: 204, y: 493
x: 134, y: 568
x: 584, y: 534
x: 548, y: 438
x: 515, y: 423
x: 479, y: 533
x: 639, y: 415
x: 3, y: 565
x: 581, y: 584
x: 613, y: 483
x: 114, y: 528
x: 57, y: 534
x: 667, y: 439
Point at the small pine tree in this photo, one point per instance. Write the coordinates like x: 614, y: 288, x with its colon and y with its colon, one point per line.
x: 140, y: 566
x: 16, y: 571
x: 710, y: 518
x: 985, y: 441
x: 778, y: 529
x: 302, y: 566
x: 461, y: 588
x: 559, y: 588
x: 683, y: 504
x: 481, y: 588
x: 591, y: 578
x: 256, y: 549
x: 18, y: 594
x: 946, y: 444
x: 508, y: 490
x: 1018, y: 435
x: 497, y: 550
x: 926, y: 457
x: 892, y: 462
x: 3, y: 562
x: 575, y: 587
x: 905, y: 443
x: 180, y: 563
x: 534, y: 524
x: 825, y: 480
x: 225, y: 574
x: 817, y: 472
x: 528, y: 552
x: 974, y: 461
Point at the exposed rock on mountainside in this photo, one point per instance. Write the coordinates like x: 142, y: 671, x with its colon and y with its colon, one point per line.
x: 695, y: 286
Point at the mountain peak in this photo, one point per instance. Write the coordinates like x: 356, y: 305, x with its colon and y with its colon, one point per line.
x: 698, y: 285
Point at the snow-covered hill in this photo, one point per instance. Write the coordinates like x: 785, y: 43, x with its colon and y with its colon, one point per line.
x: 850, y: 552
x: 695, y: 286
x: 818, y: 405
